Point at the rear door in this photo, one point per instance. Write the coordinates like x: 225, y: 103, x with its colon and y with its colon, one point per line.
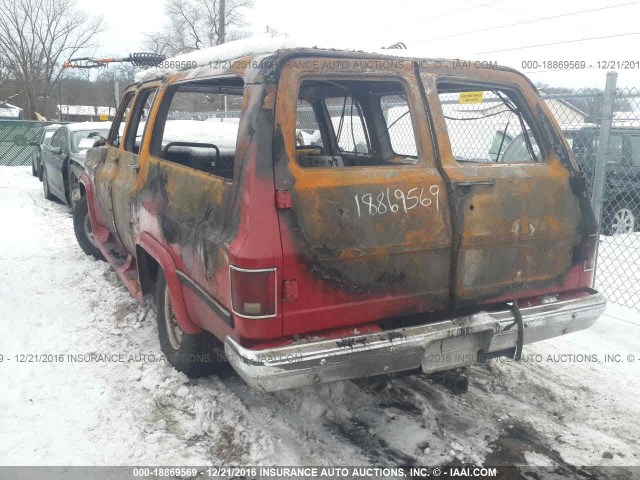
x: 363, y: 210
x: 517, y: 222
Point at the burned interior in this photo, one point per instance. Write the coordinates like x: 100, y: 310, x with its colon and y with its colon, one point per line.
x: 184, y: 134
x: 353, y: 123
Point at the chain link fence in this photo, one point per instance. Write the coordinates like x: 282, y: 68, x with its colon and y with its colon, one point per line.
x: 16, y: 140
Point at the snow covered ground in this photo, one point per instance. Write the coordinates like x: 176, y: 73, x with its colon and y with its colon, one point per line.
x: 565, y: 406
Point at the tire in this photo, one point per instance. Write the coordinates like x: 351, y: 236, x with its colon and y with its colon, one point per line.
x: 45, y: 185
x: 40, y: 168
x: 621, y: 218
x: 196, y: 355
x: 82, y: 228
x: 73, y: 184
x: 33, y: 168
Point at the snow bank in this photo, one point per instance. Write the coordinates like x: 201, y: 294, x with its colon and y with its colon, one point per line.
x: 559, y: 406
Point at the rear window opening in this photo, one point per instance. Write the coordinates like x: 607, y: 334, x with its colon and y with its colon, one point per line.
x: 197, y: 126
x: 353, y: 124
x: 487, y: 125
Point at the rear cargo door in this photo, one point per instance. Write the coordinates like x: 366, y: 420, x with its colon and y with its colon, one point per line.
x: 363, y: 210
x: 516, y: 219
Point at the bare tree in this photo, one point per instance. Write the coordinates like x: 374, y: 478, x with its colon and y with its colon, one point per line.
x: 122, y: 73
x: 195, y: 24
x: 36, y: 36
x: 4, y: 71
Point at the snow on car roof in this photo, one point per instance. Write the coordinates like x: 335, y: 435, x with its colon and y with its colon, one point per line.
x: 220, y: 55
x: 76, y: 127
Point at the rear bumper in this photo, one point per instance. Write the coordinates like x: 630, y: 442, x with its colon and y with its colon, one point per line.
x: 433, y: 347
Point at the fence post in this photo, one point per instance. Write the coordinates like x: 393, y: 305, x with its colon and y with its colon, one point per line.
x: 603, y: 145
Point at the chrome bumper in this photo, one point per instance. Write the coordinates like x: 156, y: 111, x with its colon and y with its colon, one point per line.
x: 433, y: 347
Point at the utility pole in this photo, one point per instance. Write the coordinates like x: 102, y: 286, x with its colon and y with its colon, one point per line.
x: 60, y: 116
x: 223, y: 21
x: 603, y: 145
x: 116, y: 93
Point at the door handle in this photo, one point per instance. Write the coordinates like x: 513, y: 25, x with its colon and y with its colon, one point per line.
x: 134, y: 165
x: 476, y: 183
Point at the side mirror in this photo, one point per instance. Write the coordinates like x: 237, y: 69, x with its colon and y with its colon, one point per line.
x: 34, y: 143
x: 56, y: 150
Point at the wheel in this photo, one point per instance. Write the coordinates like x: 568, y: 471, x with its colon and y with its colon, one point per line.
x: 196, y: 355
x: 45, y: 185
x: 82, y: 228
x: 33, y: 168
x: 621, y: 218
x: 40, y: 169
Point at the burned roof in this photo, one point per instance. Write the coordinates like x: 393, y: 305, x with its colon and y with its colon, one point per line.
x: 260, y: 60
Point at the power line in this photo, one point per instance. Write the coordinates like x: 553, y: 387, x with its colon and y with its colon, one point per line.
x: 445, y: 14
x: 560, y: 43
x: 535, y: 16
x: 539, y: 19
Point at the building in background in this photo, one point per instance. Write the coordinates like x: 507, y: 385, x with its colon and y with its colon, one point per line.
x: 10, y: 112
x: 84, y: 113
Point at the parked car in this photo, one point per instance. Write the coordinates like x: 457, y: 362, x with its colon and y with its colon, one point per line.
x: 36, y: 154
x: 376, y: 246
x: 621, y: 200
x: 63, y: 158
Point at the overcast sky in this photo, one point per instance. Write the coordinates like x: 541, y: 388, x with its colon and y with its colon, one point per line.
x: 469, y: 29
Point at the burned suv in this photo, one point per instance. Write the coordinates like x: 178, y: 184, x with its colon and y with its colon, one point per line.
x: 326, y: 215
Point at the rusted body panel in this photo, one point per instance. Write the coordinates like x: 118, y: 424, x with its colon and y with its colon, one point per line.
x: 354, y: 263
x: 519, y: 226
x: 472, y: 235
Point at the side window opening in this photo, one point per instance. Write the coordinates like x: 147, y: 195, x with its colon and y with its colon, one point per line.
x: 353, y: 124
x: 307, y: 128
x: 62, y: 141
x: 634, y: 143
x: 136, y: 128
x: 500, y: 143
x: 487, y: 125
x: 55, y: 139
x: 616, y: 149
x: 398, y: 121
x: 115, y: 135
x: 47, y: 137
x: 197, y: 126
x: 349, y: 125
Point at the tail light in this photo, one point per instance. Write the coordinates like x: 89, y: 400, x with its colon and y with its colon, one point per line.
x: 253, y: 292
x: 590, y: 253
x: 589, y: 256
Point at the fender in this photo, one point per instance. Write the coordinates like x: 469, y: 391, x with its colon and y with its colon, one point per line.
x: 154, y: 248
x: 100, y: 232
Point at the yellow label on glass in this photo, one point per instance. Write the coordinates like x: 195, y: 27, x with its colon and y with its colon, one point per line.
x: 471, y: 97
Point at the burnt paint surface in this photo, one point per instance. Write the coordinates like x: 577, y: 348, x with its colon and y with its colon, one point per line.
x: 516, y: 237
x: 354, y: 264
x: 210, y: 222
